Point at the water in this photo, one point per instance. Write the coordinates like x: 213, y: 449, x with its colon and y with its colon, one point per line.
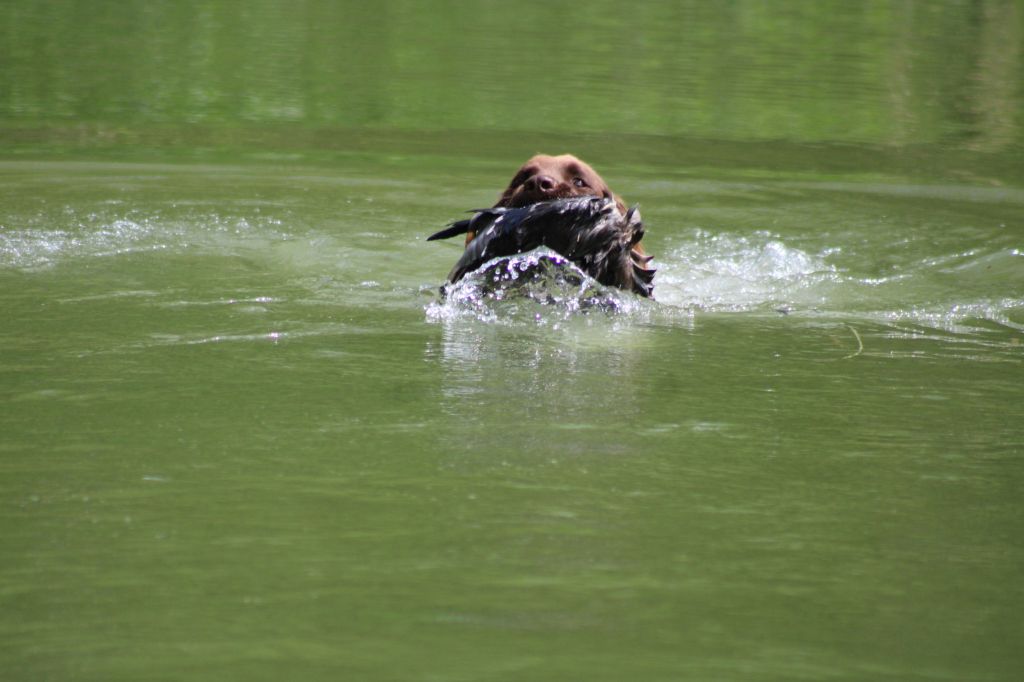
x: 245, y: 437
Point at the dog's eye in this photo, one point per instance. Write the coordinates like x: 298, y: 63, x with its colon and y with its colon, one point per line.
x: 579, y: 182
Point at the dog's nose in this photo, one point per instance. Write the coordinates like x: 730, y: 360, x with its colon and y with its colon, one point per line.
x: 542, y: 183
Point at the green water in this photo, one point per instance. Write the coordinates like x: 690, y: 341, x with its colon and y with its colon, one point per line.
x: 243, y: 437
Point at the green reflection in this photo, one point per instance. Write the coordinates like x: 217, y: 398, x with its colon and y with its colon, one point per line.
x: 877, y: 72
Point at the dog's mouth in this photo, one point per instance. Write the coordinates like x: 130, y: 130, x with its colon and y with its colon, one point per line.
x: 524, y: 196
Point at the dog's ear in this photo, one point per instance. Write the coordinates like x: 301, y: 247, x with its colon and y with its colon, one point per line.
x: 506, y: 196
x: 521, y: 176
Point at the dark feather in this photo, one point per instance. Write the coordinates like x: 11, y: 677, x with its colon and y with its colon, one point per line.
x: 589, y: 231
x: 455, y: 229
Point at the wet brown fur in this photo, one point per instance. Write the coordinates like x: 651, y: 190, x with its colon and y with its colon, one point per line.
x: 545, y: 177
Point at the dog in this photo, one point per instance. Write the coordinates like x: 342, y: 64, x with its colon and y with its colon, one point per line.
x: 602, y: 237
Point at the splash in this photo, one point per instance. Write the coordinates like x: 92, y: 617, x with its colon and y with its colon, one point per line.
x: 41, y: 241
x: 540, y: 286
x: 729, y: 273
x: 38, y: 248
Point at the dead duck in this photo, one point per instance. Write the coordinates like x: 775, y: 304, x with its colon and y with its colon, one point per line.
x: 590, y: 231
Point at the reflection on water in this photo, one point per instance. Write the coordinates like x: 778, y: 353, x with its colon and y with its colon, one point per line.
x: 571, y: 384
x: 884, y: 72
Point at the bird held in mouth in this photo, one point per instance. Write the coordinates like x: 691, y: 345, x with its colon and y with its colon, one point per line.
x: 589, y: 231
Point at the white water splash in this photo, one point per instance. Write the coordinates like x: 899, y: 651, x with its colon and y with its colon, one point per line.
x: 732, y: 273
x: 757, y: 273
x: 36, y: 248
x: 539, y: 285
x: 41, y: 241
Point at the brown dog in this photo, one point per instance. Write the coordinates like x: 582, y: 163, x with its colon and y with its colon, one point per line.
x: 546, y: 178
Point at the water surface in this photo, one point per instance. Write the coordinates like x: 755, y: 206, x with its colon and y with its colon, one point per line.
x: 245, y: 437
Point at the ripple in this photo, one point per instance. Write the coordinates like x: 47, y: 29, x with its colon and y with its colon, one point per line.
x: 962, y: 317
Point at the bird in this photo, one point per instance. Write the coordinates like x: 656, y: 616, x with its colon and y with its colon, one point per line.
x: 589, y: 231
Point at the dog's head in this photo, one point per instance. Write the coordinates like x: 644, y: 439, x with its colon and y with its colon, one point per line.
x: 544, y: 178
